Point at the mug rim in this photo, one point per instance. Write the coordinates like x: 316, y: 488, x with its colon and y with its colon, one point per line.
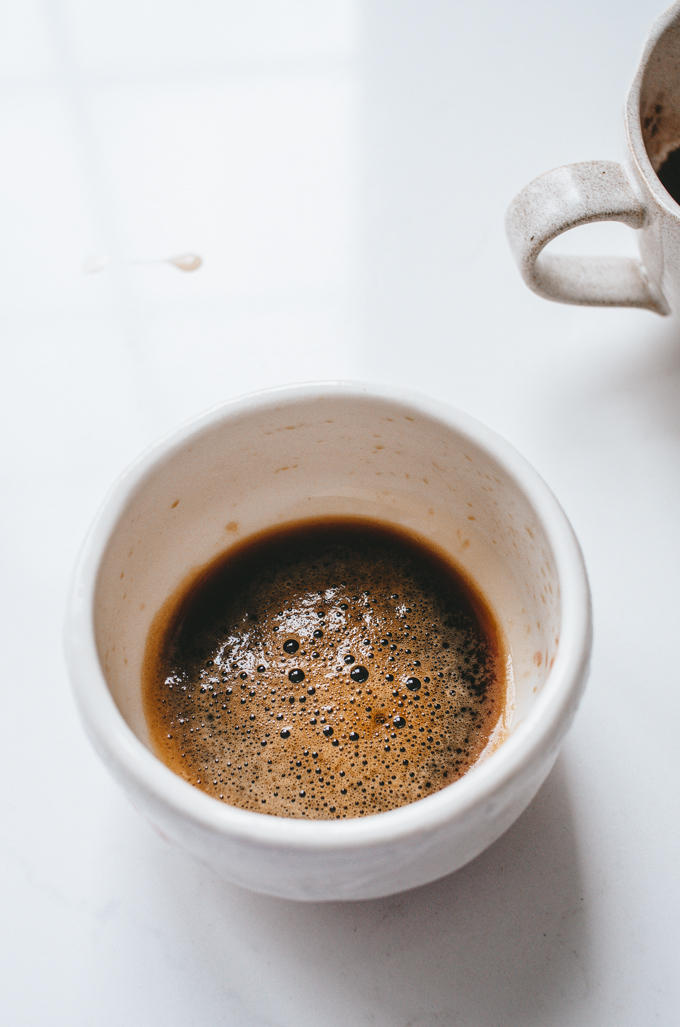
x: 636, y: 143
x: 541, y: 731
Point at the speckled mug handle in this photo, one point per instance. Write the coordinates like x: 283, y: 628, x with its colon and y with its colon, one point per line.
x: 578, y: 194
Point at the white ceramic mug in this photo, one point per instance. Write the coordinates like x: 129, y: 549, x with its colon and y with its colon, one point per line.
x: 606, y: 191
x: 323, y: 450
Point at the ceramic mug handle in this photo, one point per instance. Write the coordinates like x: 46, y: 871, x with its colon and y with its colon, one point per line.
x: 597, y: 190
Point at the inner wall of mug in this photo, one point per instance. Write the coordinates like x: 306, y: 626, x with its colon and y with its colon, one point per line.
x: 660, y: 97
x: 277, y: 463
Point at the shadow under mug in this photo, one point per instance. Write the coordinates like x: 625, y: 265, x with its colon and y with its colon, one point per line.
x: 631, y: 192
x: 333, y: 449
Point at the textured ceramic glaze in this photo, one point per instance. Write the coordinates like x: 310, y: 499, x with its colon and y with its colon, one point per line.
x: 321, y: 450
x: 606, y: 191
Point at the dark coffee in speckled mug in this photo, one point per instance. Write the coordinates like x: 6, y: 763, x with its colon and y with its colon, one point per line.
x: 327, y: 669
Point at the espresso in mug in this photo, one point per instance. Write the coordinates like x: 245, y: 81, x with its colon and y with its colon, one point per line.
x: 669, y: 174
x: 328, y: 669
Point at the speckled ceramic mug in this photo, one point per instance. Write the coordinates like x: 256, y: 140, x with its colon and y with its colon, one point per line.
x: 605, y: 191
x: 332, y: 450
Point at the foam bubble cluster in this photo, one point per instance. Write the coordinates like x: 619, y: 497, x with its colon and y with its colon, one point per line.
x: 330, y: 670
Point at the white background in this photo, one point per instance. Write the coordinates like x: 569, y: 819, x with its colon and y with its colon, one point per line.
x: 343, y: 168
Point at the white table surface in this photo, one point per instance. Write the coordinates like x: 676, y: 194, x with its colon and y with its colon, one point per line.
x: 343, y: 168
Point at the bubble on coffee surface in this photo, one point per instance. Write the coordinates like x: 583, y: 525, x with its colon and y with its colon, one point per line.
x: 286, y: 681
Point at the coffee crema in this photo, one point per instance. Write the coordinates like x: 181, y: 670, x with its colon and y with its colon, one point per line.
x: 328, y: 669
